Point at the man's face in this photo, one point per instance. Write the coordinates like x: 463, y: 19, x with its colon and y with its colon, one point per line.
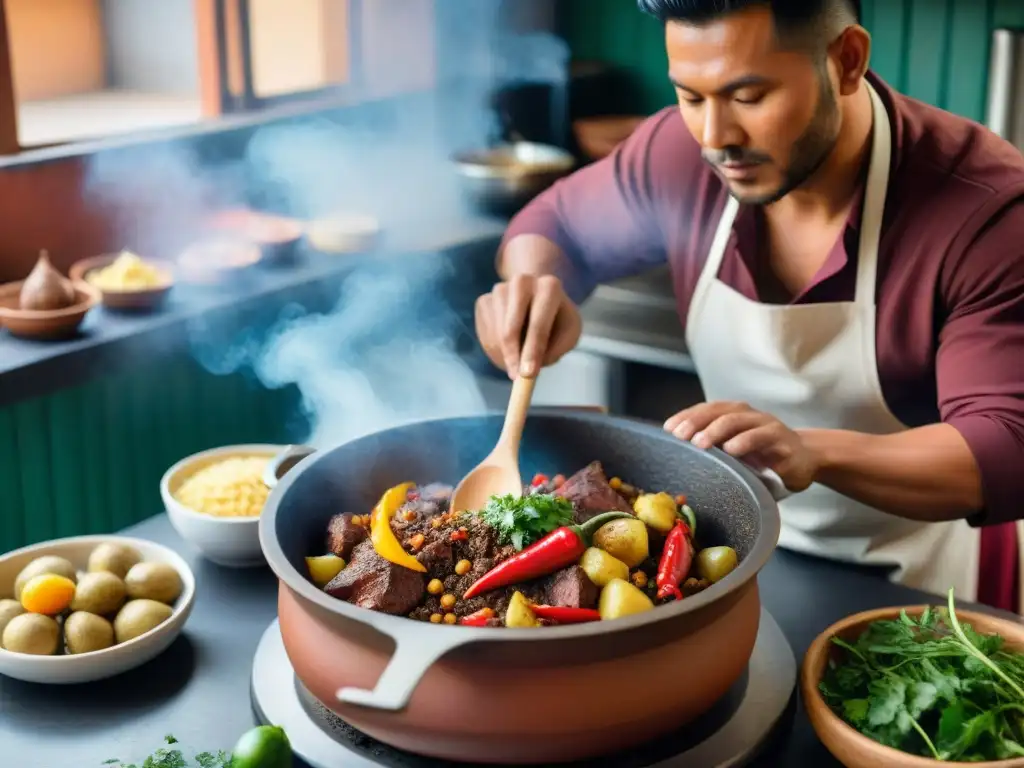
x: 766, y: 118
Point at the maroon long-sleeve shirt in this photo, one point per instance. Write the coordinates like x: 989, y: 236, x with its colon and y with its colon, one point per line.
x: 950, y: 336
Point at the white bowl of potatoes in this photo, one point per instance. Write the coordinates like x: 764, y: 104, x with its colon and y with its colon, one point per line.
x: 89, y: 607
x: 214, y: 499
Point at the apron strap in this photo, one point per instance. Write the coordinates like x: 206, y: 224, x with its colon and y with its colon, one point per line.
x: 874, y: 201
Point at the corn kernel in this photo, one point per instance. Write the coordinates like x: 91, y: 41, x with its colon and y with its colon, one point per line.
x: 435, y: 618
x: 463, y: 567
x: 435, y: 587
x: 450, y: 618
x: 615, y: 483
x: 448, y: 601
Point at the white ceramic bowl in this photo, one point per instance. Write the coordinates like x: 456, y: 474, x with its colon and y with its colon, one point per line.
x: 233, y: 542
x: 87, y: 667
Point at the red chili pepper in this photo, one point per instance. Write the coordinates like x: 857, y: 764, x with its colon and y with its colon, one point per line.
x: 559, y: 549
x: 539, y: 479
x: 477, y: 618
x: 558, y: 481
x: 676, y: 558
x: 565, y: 615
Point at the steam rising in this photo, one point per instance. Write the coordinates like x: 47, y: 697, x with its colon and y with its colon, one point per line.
x: 384, y: 354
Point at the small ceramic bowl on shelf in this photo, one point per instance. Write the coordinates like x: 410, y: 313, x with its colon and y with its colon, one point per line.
x: 275, y: 235
x: 343, y: 233
x: 46, y: 325
x: 229, y: 537
x: 160, y: 280
x: 217, y: 260
x: 72, y: 557
x: 854, y: 749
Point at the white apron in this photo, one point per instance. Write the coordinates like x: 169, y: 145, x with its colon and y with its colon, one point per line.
x: 813, y: 366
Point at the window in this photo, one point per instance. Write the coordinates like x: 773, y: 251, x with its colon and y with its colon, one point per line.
x: 85, y: 69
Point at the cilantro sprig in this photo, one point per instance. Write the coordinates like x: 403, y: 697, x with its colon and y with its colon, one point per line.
x: 931, y: 686
x: 521, y: 521
x: 171, y: 756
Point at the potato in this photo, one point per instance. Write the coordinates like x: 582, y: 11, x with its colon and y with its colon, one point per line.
x: 657, y: 510
x: 99, y: 592
x: 620, y: 598
x: 324, y: 568
x: 625, y: 540
x: 32, y: 633
x: 8, y: 610
x: 153, y: 581
x: 86, y: 632
x: 137, y: 617
x: 715, y: 563
x: 601, y: 567
x: 519, y: 613
x: 113, y: 558
x: 58, y: 566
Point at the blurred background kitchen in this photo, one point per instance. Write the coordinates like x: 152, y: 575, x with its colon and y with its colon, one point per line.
x: 351, y: 144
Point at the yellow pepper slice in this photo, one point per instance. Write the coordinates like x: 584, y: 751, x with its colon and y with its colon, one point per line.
x: 385, y: 543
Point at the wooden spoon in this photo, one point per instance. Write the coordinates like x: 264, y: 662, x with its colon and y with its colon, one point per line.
x: 498, y: 474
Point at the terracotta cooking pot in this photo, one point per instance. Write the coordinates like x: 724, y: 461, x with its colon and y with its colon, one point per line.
x: 528, y: 696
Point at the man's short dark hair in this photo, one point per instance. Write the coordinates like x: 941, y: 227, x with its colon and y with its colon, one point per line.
x: 803, y: 22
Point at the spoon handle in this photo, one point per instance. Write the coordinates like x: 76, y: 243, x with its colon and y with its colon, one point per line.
x: 515, y: 415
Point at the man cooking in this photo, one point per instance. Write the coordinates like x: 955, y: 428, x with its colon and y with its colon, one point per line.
x: 849, y: 270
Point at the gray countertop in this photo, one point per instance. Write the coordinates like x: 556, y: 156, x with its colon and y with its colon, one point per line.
x: 198, y: 690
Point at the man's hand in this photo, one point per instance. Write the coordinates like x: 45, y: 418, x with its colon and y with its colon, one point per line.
x: 540, y: 307
x: 758, y: 438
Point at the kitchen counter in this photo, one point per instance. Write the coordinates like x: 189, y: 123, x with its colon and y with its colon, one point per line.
x: 198, y: 690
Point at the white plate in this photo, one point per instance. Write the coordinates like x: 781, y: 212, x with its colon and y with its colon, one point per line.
x: 87, y: 667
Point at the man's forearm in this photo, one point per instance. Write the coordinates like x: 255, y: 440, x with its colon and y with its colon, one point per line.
x: 532, y: 255
x: 927, y: 473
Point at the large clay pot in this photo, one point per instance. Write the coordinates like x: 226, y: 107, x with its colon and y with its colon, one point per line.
x: 530, y: 696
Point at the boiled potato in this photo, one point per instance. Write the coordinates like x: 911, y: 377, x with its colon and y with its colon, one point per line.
x: 99, y: 592
x: 601, y: 567
x: 45, y: 564
x: 153, y: 581
x: 86, y: 632
x: 620, y: 598
x: 324, y: 568
x: 137, y: 617
x: 32, y: 633
x: 715, y: 563
x: 113, y: 558
x: 657, y: 510
x: 625, y: 540
x: 519, y: 613
x: 8, y: 610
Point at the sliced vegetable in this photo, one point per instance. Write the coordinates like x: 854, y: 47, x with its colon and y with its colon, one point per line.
x: 557, y: 550
x: 715, y: 563
x: 385, y: 543
x: 477, y: 618
x: 324, y: 568
x: 520, y: 614
x: 601, y: 567
x: 565, y: 614
x: 687, y: 513
x: 657, y: 510
x: 676, y: 559
x: 625, y: 539
x: 620, y: 598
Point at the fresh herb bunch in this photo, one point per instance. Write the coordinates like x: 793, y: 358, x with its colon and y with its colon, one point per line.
x: 170, y: 756
x: 931, y: 686
x: 521, y: 521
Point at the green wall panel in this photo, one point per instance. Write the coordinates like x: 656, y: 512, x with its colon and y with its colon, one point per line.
x: 933, y: 50
x: 89, y: 459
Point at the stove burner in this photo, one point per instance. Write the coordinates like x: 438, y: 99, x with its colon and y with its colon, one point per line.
x: 737, y: 729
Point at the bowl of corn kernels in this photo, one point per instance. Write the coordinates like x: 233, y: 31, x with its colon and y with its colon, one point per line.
x: 214, y: 499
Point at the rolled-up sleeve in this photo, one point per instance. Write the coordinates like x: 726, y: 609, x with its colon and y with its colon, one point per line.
x: 603, y: 216
x: 980, y: 363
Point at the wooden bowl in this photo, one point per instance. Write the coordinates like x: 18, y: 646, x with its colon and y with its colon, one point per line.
x: 45, y: 324
x: 849, y: 746
x: 599, y: 136
x: 212, y: 261
x: 139, y: 299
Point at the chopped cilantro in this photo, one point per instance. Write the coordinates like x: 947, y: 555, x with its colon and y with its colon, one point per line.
x: 521, y: 521
x: 168, y: 757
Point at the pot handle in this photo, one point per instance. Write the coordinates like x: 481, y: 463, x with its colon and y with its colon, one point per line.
x: 284, y: 461
x: 414, y: 655
x: 772, y: 482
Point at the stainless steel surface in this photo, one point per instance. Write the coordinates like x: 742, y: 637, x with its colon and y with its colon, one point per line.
x: 771, y: 681
x: 506, y: 177
x: 1006, y: 86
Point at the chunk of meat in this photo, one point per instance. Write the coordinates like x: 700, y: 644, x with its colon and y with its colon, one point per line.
x: 571, y: 588
x: 343, y: 535
x: 590, y: 493
x: 370, y: 581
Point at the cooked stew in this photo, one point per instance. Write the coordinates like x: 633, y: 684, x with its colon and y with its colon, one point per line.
x: 568, y: 551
